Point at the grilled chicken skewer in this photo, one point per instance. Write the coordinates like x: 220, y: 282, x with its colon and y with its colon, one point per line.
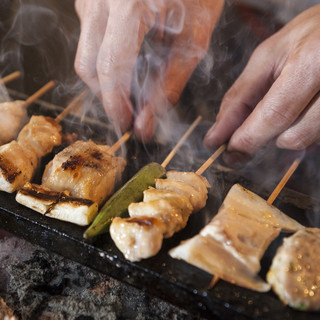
x: 132, y: 191
x: 165, y: 210
x: 13, y: 114
x: 19, y: 158
x: 232, y: 244
x: 81, y: 176
x: 83, y: 170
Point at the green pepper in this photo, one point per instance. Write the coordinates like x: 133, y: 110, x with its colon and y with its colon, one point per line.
x: 117, y: 205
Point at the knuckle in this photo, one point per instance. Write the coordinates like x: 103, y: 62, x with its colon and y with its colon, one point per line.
x: 276, y: 117
x: 244, y: 142
x: 292, y: 141
x: 81, y: 68
x: 263, y: 51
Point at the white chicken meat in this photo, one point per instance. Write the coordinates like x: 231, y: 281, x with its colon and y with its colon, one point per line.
x: 237, y: 236
x: 19, y: 159
x: 295, y: 270
x: 163, y: 212
x: 13, y: 116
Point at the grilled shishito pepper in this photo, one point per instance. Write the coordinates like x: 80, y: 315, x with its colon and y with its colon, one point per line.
x: 117, y: 205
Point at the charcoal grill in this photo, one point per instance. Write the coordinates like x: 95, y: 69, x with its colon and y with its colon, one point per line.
x: 172, y: 280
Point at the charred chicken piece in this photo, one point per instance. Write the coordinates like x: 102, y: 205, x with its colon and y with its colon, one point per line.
x: 19, y: 159
x: 86, y: 170
x: 75, y: 182
x: 58, y: 205
x: 295, y: 270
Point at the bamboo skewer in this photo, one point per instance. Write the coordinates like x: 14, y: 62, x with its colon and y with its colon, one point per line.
x: 271, y: 198
x: 120, y: 142
x: 180, y: 142
x: 10, y: 77
x: 284, y: 180
x: 211, y: 159
x: 73, y: 105
x: 39, y: 93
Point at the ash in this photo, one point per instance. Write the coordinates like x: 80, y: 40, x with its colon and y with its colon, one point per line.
x: 37, y: 284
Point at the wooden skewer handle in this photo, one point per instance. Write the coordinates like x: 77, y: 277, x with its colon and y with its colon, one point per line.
x: 73, y: 105
x: 284, y: 180
x: 120, y: 142
x: 10, y: 77
x: 180, y: 142
x: 213, y: 157
x: 39, y: 93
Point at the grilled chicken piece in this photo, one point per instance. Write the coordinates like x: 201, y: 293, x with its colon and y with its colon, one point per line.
x: 86, y: 170
x: 240, y: 233
x: 19, y: 159
x: 40, y: 135
x: 137, y: 238
x: 173, y: 210
x: 210, y: 255
x: 13, y: 115
x: 188, y: 184
x: 59, y: 205
x: 244, y: 238
x: 163, y: 212
x: 250, y: 205
x: 16, y: 166
x: 295, y: 270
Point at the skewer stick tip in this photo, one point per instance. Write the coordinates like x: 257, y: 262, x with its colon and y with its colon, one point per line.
x: 211, y: 159
x: 214, y: 281
x: 73, y: 105
x: 39, y: 93
x: 120, y: 142
x: 180, y: 142
x: 284, y: 180
x: 10, y: 77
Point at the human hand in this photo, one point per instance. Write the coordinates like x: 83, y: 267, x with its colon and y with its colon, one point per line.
x: 276, y: 98
x: 175, y: 35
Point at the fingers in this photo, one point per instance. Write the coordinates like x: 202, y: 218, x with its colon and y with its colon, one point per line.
x: 242, y: 97
x: 94, y: 20
x: 117, y: 56
x: 304, y: 131
x: 277, y: 110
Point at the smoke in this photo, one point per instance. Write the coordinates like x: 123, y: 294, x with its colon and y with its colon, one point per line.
x: 40, y: 40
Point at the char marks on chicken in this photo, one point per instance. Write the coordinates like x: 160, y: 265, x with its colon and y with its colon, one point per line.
x: 84, y: 169
x: 19, y: 159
